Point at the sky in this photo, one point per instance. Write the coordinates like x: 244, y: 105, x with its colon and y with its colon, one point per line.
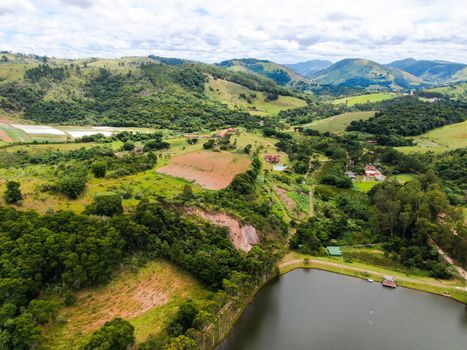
x: 284, y: 31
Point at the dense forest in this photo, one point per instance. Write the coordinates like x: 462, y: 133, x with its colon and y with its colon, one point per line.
x: 410, y: 116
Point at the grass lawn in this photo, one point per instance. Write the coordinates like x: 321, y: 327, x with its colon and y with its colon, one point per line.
x: 338, y: 124
x: 451, y: 287
x: 229, y: 93
x: 369, y: 98
x: 147, y: 298
x: 440, y: 140
x: 403, y: 178
x: 364, y: 186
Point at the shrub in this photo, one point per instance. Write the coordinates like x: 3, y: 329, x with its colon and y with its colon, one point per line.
x: 13, y: 192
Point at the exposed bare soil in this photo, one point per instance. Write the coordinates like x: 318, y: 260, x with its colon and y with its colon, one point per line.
x: 4, y: 136
x: 211, y: 170
x: 242, y: 236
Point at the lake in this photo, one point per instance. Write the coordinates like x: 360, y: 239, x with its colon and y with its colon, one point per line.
x: 313, y: 309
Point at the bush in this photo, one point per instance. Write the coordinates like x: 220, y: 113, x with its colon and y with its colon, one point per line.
x: 99, y: 168
x: 106, y: 205
x: 13, y: 192
x: 72, y: 185
x: 128, y: 146
x: 117, y: 334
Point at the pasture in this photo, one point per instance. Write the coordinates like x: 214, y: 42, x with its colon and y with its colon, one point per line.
x: 368, y: 98
x: 255, y: 102
x: 208, y: 169
x: 338, y: 123
x: 147, y: 298
x: 439, y: 140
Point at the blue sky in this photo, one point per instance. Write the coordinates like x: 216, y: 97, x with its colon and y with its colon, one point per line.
x: 210, y: 31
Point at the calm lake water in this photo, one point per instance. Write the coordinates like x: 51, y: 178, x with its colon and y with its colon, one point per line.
x: 312, y: 309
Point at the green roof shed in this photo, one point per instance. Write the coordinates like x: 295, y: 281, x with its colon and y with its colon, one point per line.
x: 334, y: 251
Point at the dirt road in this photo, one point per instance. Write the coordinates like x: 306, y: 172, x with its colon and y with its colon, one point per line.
x: 318, y: 263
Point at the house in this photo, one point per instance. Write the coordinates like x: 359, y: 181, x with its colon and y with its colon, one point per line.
x: 371, y: 170
x: 351, y: 174
x: 272, y: 158
x: 334, y: 251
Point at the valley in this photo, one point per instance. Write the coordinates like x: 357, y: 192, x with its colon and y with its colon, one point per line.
x: 157, y: 195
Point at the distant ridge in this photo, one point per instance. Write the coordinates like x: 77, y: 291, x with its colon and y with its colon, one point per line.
x: 433, y: 71
x: 363, y: 73
x: 307, y: 68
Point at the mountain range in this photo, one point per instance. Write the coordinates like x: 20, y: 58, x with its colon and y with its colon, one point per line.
x: 356, y: 72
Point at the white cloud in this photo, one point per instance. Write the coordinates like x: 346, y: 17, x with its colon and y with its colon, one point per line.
x: 211, y: 30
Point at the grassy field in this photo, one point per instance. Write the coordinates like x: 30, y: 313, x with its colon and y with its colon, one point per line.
x: 147, y: 298
x: 338, y: 123
x: 454, y: 91
x: 439, y: 140
x: 145, y: 183
x: 229, y: 93
x: 364, y: 186
x: 453, y: 288
x: 369, y: 98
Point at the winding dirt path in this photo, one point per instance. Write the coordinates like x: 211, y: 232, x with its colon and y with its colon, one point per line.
x: 450, y: 261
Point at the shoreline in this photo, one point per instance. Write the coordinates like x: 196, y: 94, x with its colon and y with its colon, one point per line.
x: 455, y: 292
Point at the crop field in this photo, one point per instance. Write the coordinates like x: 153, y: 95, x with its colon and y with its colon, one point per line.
x: 147, y: 298
x: 369, y: 98
x: 11, y: 134
x: 229, y: 93
x: 211, y: 170
x: 442, y: 139
x: 338, y: 123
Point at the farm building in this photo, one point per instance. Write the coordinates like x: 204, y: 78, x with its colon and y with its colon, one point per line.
x: 372, y: 172
x: 334, y: 251
x: 272, y: 158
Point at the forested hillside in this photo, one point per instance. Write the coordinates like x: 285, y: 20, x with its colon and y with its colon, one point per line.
x: 128, y: 92
x: 410, y: 116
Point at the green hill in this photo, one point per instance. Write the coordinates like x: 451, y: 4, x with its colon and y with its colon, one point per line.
x: 281, y: 74
x: 430, y: 71
x: 130, y: 91
x: 255, y: 102
x: 365, y: 74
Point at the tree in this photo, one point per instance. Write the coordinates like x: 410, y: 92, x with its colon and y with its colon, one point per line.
x: 182, y: 343
x: 99, y: 168
x: 106, y: 204
x: 247, y: 149
x: 128, y: 146
x: 13, y: 192
x: 42, y: 310
x: 184, y: 318
x: 209, y: 144
x: 72, y: 185
x: 117, y: 334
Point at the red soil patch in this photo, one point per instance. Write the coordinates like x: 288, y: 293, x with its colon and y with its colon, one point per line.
x: 242, y: 236
x: 5, y: 137
x: 211, y: 170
